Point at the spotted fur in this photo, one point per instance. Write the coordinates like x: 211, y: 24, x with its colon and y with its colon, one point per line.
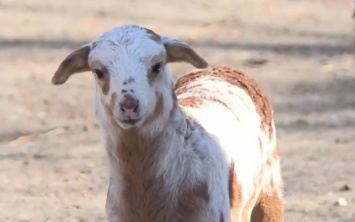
x: 203, y: 150
x: 233, y: 108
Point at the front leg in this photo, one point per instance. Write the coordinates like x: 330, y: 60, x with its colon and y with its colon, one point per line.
x: 112, y: 207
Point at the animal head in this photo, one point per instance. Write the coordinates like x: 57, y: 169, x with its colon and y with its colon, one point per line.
x: 129, y: 64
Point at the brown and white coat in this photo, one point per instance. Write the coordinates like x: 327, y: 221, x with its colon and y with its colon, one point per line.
x: 202, y: 150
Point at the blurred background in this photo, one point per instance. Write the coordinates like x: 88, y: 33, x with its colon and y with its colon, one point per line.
x: 52, y: 160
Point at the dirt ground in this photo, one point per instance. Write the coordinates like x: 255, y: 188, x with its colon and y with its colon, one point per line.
x: 52, y: 160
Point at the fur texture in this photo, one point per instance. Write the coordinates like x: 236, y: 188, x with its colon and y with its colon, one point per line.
x: 203, y: 150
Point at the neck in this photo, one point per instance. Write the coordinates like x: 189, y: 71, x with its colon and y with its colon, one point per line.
x: 145, y: 164
x: 137, y: 161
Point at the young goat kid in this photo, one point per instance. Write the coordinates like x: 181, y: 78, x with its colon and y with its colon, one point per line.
x: 203, y: 150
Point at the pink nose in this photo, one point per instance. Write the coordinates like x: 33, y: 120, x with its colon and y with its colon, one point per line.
x: 129, y: 106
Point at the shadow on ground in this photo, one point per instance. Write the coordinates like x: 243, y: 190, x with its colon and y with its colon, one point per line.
x: 318, y: 106
x: 304, y: 50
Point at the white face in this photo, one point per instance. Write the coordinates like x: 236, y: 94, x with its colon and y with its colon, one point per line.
x: 129, y: 64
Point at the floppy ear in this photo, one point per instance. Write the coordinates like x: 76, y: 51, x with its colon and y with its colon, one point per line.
x: 178, y: 51
x: 75, y: 62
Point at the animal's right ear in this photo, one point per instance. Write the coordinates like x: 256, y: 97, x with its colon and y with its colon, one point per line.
x: 75, y: 62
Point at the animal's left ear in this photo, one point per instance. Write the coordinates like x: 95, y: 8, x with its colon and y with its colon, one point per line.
x: 178, y: 51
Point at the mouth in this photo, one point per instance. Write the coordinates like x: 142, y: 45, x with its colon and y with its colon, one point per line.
x: 130, y: 121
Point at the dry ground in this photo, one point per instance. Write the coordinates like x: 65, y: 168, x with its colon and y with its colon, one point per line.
x: 52, y: 162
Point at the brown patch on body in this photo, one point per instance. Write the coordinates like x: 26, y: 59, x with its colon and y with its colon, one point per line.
x: 235, y: 194
x: 191, y: 101
x: 268, y: 209
x: 269, y: 206
x: 182, y: 86
x: 237, y: 78
x: 105, y: 81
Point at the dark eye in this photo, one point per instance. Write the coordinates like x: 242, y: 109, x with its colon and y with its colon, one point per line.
x: 156, y: 68
x: 98, y: 73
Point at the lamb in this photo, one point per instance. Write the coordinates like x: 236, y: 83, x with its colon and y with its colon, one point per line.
x: 202, y: 150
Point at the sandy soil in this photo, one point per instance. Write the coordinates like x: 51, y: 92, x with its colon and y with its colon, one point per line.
x: 52, y: 161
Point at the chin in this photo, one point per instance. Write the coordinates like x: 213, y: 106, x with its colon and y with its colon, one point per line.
x: 129, y: 123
